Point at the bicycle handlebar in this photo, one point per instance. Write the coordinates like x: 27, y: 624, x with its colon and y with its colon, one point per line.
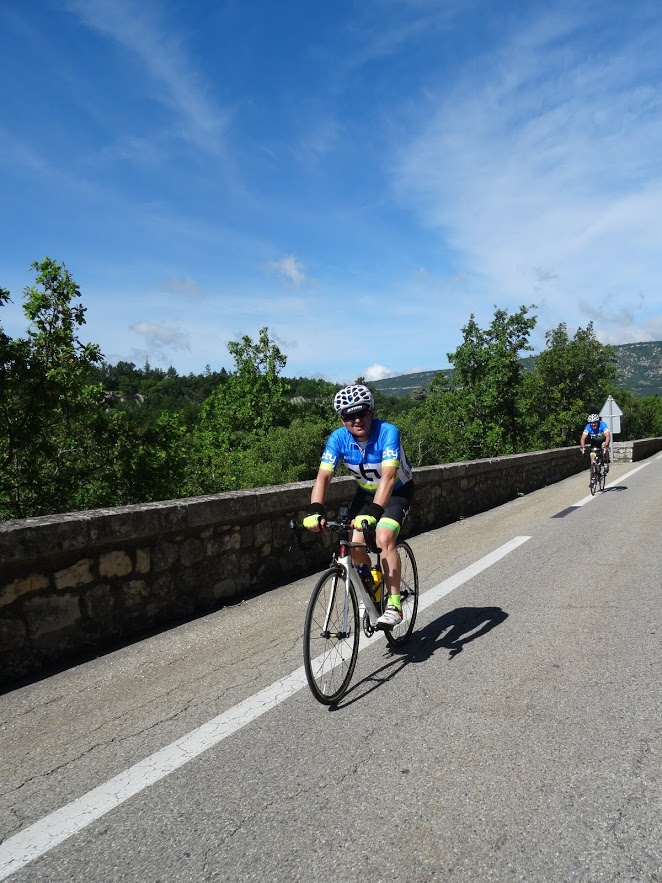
x: 345, y: 527
x: 340, y: 527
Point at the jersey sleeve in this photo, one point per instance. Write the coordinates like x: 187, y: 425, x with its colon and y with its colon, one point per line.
x: 391, y: 449
x: 331, y: 456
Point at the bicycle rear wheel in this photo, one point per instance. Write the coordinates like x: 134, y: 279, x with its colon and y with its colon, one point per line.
x: 400, y: 634
x: 330, y: 653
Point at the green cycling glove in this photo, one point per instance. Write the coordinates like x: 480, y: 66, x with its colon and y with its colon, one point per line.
x: 313, y: 519
x: 372, y: 515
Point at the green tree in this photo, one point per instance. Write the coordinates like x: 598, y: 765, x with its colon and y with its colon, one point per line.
x: 47, y: 399
x: 476, y: 409
x: 642, y: 415
x: 238, y: 415
x: 570, y: 378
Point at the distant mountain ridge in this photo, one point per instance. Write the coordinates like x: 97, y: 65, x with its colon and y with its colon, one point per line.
x: 639, y: 367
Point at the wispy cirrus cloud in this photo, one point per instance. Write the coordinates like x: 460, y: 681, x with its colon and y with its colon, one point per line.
x: 541, y: 168
x: 140, y: 30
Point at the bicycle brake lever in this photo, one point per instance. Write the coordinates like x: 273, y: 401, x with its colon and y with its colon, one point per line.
x: 294, y: 536
x: 370, y: 537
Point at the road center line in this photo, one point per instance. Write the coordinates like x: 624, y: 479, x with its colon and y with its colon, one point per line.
x: 42, y: 836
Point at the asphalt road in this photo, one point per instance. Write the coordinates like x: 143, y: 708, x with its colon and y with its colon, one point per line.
x: 517, y: 736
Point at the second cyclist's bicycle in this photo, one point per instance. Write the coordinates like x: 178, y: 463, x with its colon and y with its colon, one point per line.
x: 341, y: 606
x: 598, y: 473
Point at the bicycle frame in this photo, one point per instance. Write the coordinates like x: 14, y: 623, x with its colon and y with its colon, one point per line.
x: 344, y: 560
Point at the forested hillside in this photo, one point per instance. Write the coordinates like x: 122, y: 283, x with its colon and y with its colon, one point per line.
x: 638, y: 369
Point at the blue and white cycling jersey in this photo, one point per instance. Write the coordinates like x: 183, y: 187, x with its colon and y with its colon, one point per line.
x: 602, y: 428
x: 366, y: 461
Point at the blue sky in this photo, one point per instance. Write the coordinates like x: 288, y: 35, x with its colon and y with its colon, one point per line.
x: 358, y: 175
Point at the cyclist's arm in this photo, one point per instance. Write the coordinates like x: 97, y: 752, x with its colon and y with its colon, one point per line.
x: 315, y: 519
x: 607, y: 439
x: 321, y: 486
x: 582, y: 441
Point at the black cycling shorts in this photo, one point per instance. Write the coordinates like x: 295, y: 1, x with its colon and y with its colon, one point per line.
x: 396, y: 509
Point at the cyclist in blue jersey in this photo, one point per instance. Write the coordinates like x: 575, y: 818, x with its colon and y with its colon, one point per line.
x: 598, y: 435
x: 372, y: 451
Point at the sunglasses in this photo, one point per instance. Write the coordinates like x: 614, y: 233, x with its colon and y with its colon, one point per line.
x: 358, y: 416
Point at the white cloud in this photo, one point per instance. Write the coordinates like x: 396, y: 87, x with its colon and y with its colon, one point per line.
x: 378, y: 372
x: 290, y: 269
x: 161, y: 337
x: 186, y: 287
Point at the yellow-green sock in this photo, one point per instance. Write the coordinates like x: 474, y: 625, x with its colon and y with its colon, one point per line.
x: 394, y: 601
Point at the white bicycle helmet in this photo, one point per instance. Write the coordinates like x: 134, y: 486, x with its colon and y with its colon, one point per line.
x: 352, y: 399
x: 593, y: 418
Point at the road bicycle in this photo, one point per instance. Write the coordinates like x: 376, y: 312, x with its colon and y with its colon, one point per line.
x: 598, y: 471
x: 340, y: 605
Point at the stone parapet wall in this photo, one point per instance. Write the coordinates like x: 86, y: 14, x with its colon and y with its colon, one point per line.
x: 632, y: 451
x: 82, y: 582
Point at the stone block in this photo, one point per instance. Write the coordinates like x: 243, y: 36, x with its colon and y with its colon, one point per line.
x: 191, y: 551
x: 224, y: 590
x: 262, y: 533
x: 98, y: 603
x: 79, y: 574
x: 164, y: 556
x: 142, y: 561
x: 142, y: 520
x: 134, y: 592
x: 230, y: 539
x: 27, y: 538
x: 52, y: 614
x: 162, y: 586
x: 115, y: 563
x: 221, y: 508
x: 213, y: 547
x: 35, y: 582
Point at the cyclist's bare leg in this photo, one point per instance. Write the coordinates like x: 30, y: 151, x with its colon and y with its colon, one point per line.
x: 386, y: 540
x: 360, y: 556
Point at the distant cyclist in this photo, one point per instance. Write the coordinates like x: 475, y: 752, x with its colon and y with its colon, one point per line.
x: 372, y: 451
x: 598, y: 435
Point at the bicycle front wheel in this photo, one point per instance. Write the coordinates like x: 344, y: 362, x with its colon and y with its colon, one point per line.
x: 594, y: 478
x: 331, y: 639
x: 601, y: 479
x: 400, y: 634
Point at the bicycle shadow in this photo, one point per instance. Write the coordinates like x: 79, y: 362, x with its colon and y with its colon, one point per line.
x: 452, y: 632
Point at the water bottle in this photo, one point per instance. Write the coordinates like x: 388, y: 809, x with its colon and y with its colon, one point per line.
x: 363, y: 571
x: 377, y: 584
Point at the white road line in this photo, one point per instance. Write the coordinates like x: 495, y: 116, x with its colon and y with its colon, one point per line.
x: 438, y: 592
x: 42, y: 836
x: 611, y: 484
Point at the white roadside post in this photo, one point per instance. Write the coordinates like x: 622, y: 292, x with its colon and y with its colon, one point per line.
x: 611, y: 414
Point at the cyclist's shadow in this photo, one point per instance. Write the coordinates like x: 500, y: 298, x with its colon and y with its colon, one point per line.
x: 452, y: 632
